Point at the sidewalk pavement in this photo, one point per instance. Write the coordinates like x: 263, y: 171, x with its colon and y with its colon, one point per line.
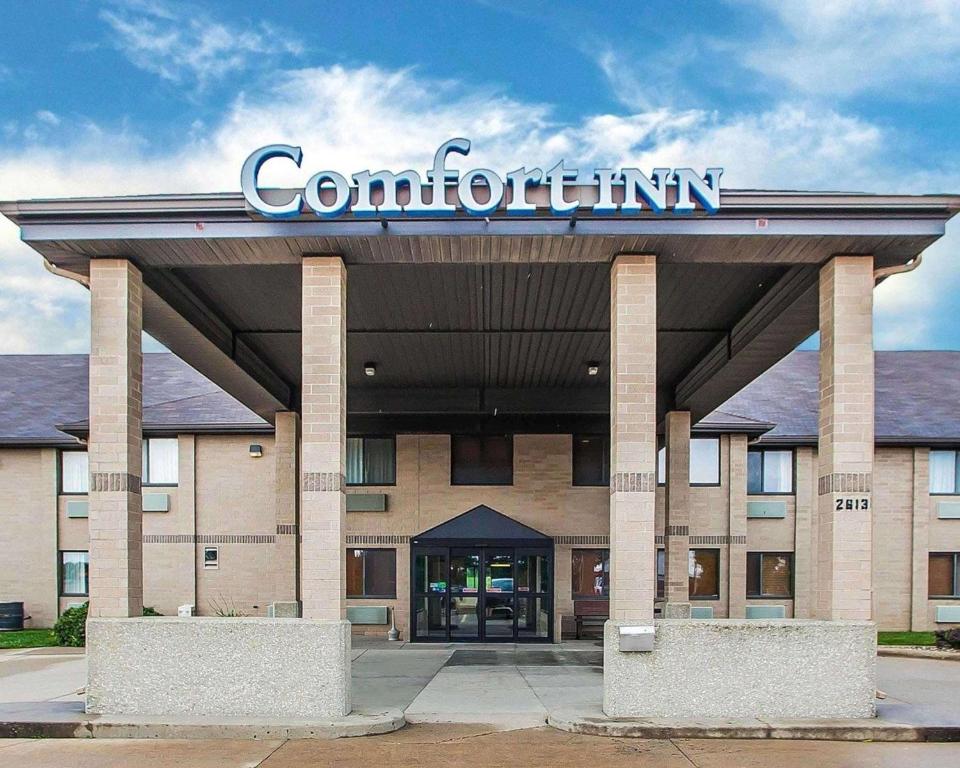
x: 502, y: 687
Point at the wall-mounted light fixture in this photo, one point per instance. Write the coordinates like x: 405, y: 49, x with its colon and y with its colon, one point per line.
x: 370, y: 369
x: 593, y: 369
x: 256, y: 451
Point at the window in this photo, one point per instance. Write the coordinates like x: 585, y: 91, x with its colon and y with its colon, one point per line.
x: 74, y: 574
x: 74, y: 472
x: 704, y: 574
x: 481, y: 460
x: 769, y: 471
x: 590, y: 573
x: 770, y: 574
x: 704, y: 462
x: 943, y: 472
x: 661, y: 574
x: 160, y: 461
x: 943, y: 579
x: 371, y: 461
x: 211, y: 557
x: 371, y: 573
x: 591, y: 460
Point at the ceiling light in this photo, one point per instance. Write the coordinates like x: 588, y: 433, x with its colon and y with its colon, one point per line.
x: 593, y: 369
x: 370, y: 369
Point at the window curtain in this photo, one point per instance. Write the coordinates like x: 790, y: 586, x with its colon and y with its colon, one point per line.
x: 378, y: 461
x: 589, y: 572
x: 705, y: 461
x: 775, y: 575
x: 74, y: 573
x: 943, y: 471
x: 704, y: 572
x: 354, y: 460
x: 163, y: 459
x: 76, y: 472
x: 778, y: 471
x: 940, y: 576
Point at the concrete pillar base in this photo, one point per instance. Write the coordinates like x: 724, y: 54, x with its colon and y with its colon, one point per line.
x: 734, y: 668
x: 211, y: 666
x: 676, y: 610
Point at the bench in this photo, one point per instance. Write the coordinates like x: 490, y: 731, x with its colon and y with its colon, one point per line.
x: 590, y: 612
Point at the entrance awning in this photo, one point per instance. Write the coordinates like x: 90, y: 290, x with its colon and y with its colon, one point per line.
x: 483, y: 525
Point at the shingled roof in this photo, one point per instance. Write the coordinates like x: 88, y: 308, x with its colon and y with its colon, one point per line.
x: 917, y: 398
x: 41, y: 393
x: 917, y: 403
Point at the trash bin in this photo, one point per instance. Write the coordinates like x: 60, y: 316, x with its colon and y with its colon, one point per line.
x: 11, y: 616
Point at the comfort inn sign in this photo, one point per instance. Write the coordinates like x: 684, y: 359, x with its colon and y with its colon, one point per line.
x: 481, y: 191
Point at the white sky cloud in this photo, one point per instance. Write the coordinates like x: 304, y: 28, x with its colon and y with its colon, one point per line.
x: 843, y: 47
x: 182, y: 44
x: 350, y: 119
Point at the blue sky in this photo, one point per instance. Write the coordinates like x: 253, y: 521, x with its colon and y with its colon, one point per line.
x: 135, y: 96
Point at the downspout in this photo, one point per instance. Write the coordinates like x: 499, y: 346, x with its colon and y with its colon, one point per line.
x: 55, y: 270
x: 900, y: 269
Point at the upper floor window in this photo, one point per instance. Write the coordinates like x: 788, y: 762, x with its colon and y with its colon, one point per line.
x: 943, y: 577
x: 481, y: 460
x: 161, y: 463
x: 943, y: 472
x: 770, y: 574
x: 371, y: 461
x: 74, y: 472
x: 661, y: 573
x: 591, y: 460
x: 704, y: 462
x: 769, y: 470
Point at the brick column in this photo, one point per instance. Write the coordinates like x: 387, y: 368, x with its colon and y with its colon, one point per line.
x: 286, y: 440
x: 323, y: 448
x: 919, y: 601
x: 804, y: 544
x: 845, y: 473
x: 633, y: 437
x: 116, y: 401
x: 676, y: 540
x: 737, y: 528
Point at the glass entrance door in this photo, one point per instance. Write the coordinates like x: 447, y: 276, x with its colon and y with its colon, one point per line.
x: 482, y: 593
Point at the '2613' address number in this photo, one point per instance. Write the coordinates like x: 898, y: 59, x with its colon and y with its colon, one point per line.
x: 861, y: 503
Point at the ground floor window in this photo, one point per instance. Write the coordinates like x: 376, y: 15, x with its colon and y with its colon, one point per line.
x: 74, y: 574
x: 770, y: 574
x: 704, y: 574
x: 590, y: 574
x: 661, y: 574
x: 943, y: 578
x: 372, y: 573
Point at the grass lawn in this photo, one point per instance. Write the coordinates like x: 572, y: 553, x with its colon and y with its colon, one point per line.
x: 28, y: 638
x: 906, y: 638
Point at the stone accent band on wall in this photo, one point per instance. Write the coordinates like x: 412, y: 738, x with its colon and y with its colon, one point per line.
x: 209, y: 538
x: 721, y: 539
x: 583, y: 541
x: 633, y: 482
x: 286, y: 529
x: 322, y: 481
x: 678, y: 530
x: 845, y: 482
x: 114, y: 481
x: 377, y: 538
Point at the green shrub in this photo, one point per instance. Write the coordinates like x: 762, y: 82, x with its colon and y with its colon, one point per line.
x: 71, y: 627
x: 948, y: 638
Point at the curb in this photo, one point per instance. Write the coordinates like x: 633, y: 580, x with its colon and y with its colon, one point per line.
x: 148, y: 727
x: 806, y: 730
x: 910, y: 652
